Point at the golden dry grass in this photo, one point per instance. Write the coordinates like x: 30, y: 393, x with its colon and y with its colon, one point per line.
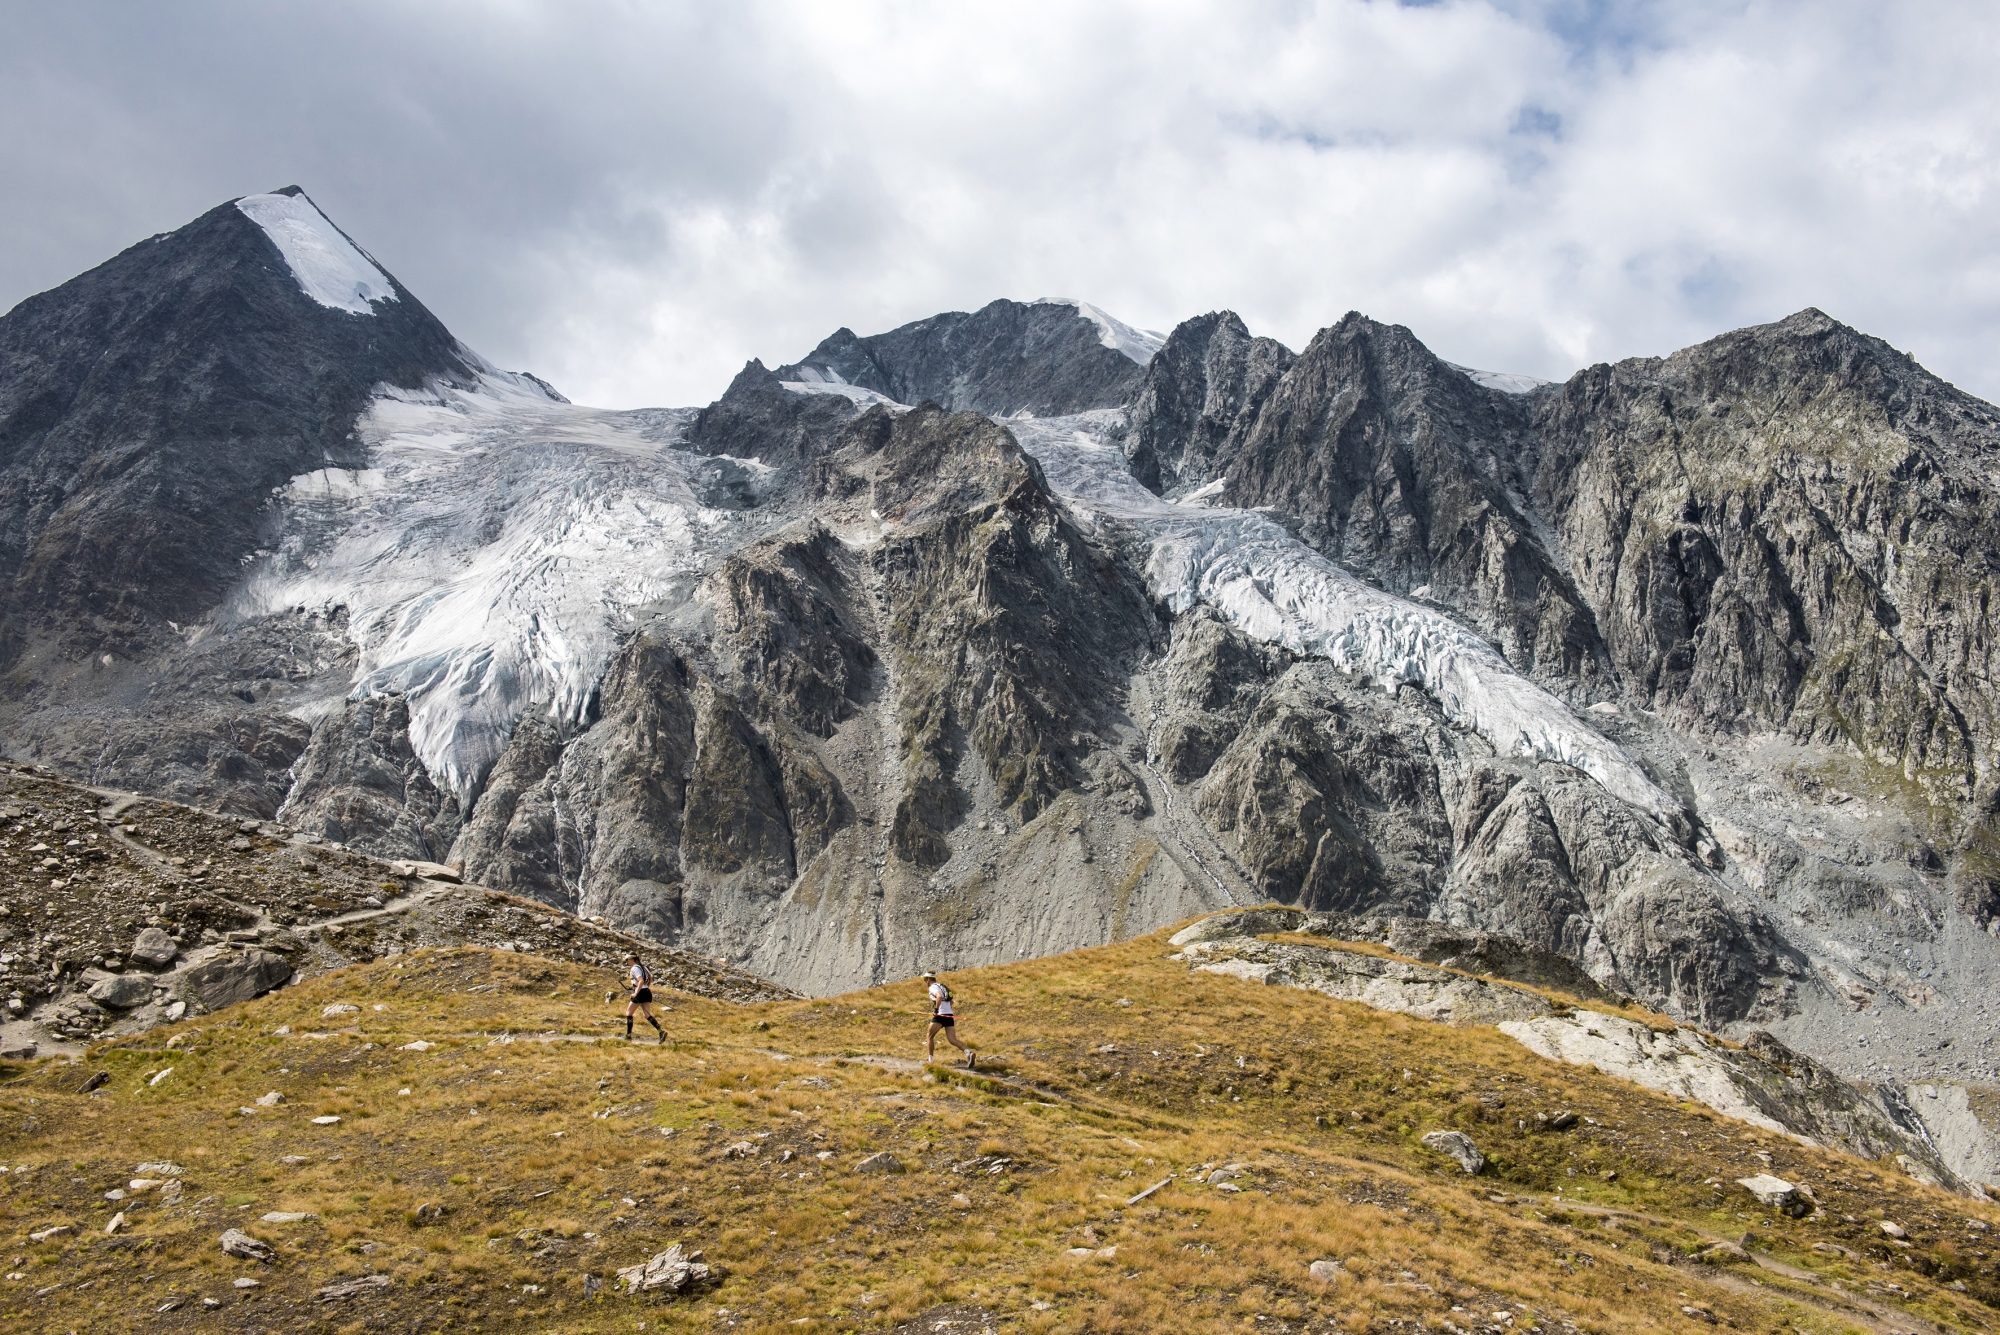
x: 553, y: 1160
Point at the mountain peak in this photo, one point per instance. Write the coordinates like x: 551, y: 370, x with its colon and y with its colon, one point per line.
x: 329, y: 267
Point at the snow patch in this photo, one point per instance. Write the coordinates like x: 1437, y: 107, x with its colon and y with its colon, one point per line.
x: 328, y: 267
x: 1276, y: 588
x: 1113, y: 333
x: 1504, y: 381
x: 815, y: 384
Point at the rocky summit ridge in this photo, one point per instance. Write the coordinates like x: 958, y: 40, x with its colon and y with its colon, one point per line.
x: 1001, y: 634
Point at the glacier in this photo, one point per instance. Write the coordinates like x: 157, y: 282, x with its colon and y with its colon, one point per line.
x: 491, y: 554
x: 329, y: 268
x: 1279, y: 590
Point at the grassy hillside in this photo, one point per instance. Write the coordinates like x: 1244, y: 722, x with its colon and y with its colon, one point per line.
x: 496, y: 1176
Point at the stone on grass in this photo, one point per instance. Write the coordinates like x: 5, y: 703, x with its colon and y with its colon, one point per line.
x: 237, y: 1243
x: 418, y: 1046
x: 884, y: 1162
x: 742, y: 1149
x: 244, y: 1282
x: 351, y: 1288
x: 1890, y: 1228
x: 288, y: 1217
x: 672, y: 1271
x: 1325, y: 1271
x: 117, y: 1222
x: 271, y: 1100
x: 48, y: 1233
x: 328, y: 1120
x: 160, y: 1168
x: 1458, y: 1146
x: 1776, y: 1193
x: 338, y: 1008
x: 228, y: 979
x: 123, y: 992
x: 154, y: 949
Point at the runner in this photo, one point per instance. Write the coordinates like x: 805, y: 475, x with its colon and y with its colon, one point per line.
x: 943, y: 1021
x: 639, y: 982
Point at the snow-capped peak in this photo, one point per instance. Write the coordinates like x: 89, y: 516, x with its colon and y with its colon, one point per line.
x: 1113, y: 333
x: 328, y: 267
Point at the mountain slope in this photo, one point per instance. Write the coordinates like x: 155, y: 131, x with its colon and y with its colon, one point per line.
x: 149, y: 407
x: 1151, y: 1150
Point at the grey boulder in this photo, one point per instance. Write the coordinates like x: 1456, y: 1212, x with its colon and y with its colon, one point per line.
x: 122, y: 992
x: 672, y: 1271
x: 235, y: 1242
x: 1776, y: 1193
x: 1458, y: 1146
x: 228, y: 979
x: 154, y: 949
x: 884, y: 1162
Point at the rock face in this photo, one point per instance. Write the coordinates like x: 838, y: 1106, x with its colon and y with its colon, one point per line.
x: 1046, y: 358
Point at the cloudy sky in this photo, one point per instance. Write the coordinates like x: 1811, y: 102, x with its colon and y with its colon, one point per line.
x: 633, y: 198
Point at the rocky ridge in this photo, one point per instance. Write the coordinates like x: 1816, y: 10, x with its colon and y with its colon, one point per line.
x: 120, y: 913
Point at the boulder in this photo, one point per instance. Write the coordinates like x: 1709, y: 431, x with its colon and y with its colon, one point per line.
x: 122, y: 992
x: 426, y: 871
x: 884, y: 1162
x: 154, y: 949
x: 351, y: 1288
x: 1458, y: 1146
x: 228, y: 979
x: 1776, y: 1193
x: 672, y: 1271
x: 237, y: 1243
x: 1326, y: 1272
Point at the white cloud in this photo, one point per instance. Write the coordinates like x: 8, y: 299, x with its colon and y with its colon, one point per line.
x: 634, y: 201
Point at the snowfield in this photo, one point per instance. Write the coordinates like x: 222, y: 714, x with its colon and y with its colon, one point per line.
x: 327, y: 265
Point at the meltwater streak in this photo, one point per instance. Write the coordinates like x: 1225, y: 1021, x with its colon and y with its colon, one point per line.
x: 1274, y: 587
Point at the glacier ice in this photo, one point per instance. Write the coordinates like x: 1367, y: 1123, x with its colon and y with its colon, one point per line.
x: 490, y: 555
x: 1113, y: 333
x: 328, y: 267
x: 1505, y: 381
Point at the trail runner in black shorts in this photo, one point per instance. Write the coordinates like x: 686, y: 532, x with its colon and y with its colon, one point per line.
x: 639, y: 982
x: 943, y: 1021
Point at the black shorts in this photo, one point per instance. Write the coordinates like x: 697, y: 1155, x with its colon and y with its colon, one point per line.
x: 643, y: 995
x: 945, y: 1020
